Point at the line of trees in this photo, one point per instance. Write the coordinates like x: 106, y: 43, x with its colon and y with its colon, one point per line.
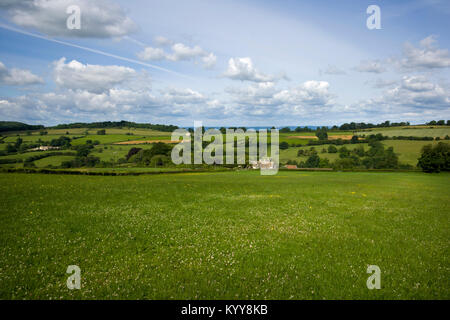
x: 438, y: 123
x: 117, y: 124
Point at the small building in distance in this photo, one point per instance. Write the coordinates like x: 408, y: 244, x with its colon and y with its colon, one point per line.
x: 44, y: 148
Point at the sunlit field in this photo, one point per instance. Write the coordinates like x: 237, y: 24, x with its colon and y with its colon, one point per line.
x: 230, y: 235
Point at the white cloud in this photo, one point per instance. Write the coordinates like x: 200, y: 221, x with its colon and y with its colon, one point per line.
x: 417, y: 84
x: 183, y: 52
x: 18, y: 77
x: 151, y: 53
x: 309, y: 93
x: 179, y: 52
x: 374, y: 66
x: 162, y: 41
x: 99, y: 19
x: 182, y: 96
x: 426, y: 56
x: 381, y: 83
x: 93, y: 78
x: 209, y: 61
x: 332, y: 70
x: 243, y: 69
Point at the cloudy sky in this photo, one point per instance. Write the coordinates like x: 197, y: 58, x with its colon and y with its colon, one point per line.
x: 243, y: 63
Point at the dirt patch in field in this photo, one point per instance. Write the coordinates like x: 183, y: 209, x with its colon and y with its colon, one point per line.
x: 343, y: 137
x: 148, y: 141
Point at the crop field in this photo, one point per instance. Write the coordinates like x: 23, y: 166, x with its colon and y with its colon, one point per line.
x: 225, y: 235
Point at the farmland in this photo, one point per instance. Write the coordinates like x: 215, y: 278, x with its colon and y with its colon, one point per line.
x: 108, y: 149
x: 225, y: 235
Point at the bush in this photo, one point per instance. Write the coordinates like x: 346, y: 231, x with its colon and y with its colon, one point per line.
x: 435, y: 159
x: 101, y: 132
x: 284, y: 145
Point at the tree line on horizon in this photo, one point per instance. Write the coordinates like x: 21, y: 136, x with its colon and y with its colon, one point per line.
x: 19, y: 126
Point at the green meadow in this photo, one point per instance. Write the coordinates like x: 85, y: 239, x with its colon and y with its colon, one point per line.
x: 225, y: 235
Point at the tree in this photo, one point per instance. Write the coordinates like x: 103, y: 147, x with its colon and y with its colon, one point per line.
x: 132, y: 152
x: 313, y: 161
x: 285, y: 130
x: 11, y: 148
x: 284, y: 145
x: 435, y: 159
x: 441, y: 123
x: 354, y: 139
x: 332, y: 149
x: 84, y: 150
x: 18, y: 143
x: 101, y: 132
x: 322, y: 135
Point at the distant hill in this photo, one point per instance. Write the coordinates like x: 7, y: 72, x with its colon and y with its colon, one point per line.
x: 17, y: 126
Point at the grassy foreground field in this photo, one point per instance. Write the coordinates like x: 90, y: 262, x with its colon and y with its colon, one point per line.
x: 225, y: 235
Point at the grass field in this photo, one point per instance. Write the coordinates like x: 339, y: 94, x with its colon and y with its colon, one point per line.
x: 418, y: 131
x: 53, y: 161
x: 225, y: 235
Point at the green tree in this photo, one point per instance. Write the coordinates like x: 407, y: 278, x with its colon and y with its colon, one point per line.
x: 313, y: 161
x: 332, y: 149
x: 284, y: 145
x: 435, y: 159
x: 322, y: 135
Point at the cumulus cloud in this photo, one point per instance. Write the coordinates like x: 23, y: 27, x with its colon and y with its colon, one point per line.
x: 372, y: 66
x: 209, y: 61
x: 309, y: 93
x: 99, y: 19
x: 179, y: 52
x: 417, y: 91
x: 263, y: 99
x: 93, y: 78
x: 426, y: 56
x: 412, y: 97
x: 258, y: 94
x: 18, y: 77
x: 182, y: 96
x: 150, y: 53
x: 243, y: 69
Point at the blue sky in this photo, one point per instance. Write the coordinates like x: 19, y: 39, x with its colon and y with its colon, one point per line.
x: 228, y: 62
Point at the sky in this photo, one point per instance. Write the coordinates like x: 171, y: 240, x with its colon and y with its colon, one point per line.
x: 225, y: 63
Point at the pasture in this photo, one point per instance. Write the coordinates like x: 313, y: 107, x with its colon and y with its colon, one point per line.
x: 225, y: 235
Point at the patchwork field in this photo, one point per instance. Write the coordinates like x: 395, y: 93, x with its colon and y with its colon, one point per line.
x: 225, y: 235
